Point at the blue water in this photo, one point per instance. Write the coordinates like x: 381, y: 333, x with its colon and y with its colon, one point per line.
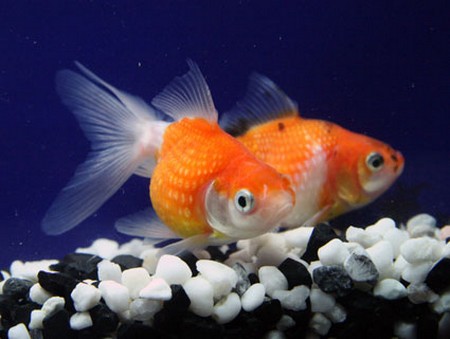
x: 376, y: 67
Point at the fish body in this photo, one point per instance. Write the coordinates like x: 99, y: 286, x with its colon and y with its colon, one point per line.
x: 333, y: 170
x: 206, y: 186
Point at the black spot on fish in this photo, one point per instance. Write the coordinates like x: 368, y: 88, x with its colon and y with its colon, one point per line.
x: 281, y: 126
x: 394, y: 157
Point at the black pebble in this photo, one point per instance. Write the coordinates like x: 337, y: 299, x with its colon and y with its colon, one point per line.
x: 190, y: 260
x: 253, y: 278
x: 301, y: 318
x: 168, y: 322
x: 126, y: 261
x: 193, y: 326
x: 321, y: 234
x: 15, y: 311
x: 333, y: 279
x: 428, y: 326
x: 137, y: 331
x: 57, y: 326
x: 269, y: 313
x: 439, y: 277
x: 104, y: 320
x: 59, y: 284
x: 367, y: 317
x: 296, y: 273
x: 80, y: 266
x: 17, y: 288
x: 216, y: 254
x: 245, y: 325
x: 180, y: 301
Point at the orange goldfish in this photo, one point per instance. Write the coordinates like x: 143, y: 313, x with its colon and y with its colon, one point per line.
x: 206, y: 186
x: 333, y: 170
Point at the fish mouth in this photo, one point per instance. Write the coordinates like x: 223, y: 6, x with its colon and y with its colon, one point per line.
x: 399, y: 161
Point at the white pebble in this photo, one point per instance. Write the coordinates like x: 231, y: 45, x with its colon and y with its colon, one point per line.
x: 321, y: 301
x: 421, y: 225
x: 253, y: 297
x: 134, y: 247
x: 390, y: 289
x: 221, y: 277
x: 442, y: 304
x: 298, y: 237
x: 30, y: 269
x: 382, y: 255
x: 38, y: 294
x: 421, y: 249
x: 382, y: 226
x: 173, y: 270
x: 420, y: 293
x: 85, y: 297
x: 274, y: 334
x: 104, y: 248
x: 295, y: 299
x: 135, y: 279
x: 360, y: 236
x: 272, y: 279
x: 273, y: 250
x: 417, y: 273
x: 227, y: 309
x: 285, y: 323
x: 399, y: 266
x: 405, y: 330
x: 36, y: 319
x: 116, y: 296
x: 53, y: 305
x: 80, y: 321
x: 320, y: 324
x: 150, y: 259
x: 144, y: 309
x: 201, y: 293
x: 333, y: 253
x: 19, y: 331
x: 108, y: 270
x: 156, y: 289
x: 396, y: 237
x: 313, y: 265
x: 446, y: 249
x: 337, y: 314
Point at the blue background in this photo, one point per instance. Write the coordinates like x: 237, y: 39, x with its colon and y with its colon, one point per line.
x: 376, y: 67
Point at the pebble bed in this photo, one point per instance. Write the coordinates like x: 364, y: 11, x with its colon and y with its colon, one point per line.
x: 383, y: 281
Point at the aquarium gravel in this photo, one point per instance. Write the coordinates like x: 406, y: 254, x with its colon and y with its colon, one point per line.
x: 383, y: 281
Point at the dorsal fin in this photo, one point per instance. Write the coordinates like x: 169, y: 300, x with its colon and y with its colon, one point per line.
x: 187, y: 96
x: 264, y: 101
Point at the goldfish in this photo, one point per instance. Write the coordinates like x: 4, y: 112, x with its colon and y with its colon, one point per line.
x: 333, y: 170
x: 205, y: 186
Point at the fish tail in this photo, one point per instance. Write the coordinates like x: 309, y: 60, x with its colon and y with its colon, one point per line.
x: 125, y: 133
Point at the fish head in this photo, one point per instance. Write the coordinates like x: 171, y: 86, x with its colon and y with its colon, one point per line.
x: 247, y: 199
x: 367, y: 168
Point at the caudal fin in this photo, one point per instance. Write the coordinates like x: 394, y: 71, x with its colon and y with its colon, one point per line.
x: 124, y: 133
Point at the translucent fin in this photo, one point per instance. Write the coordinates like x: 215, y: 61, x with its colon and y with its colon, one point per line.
x: 264, y: 101
x: 145, y: 224
x: 318, y: 217
x: 187, y: 96
x: 124, y: 133
x: 189, y: 244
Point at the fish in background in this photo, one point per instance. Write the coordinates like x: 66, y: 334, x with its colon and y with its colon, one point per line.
x: 205, y: 187
x: 333, y: 170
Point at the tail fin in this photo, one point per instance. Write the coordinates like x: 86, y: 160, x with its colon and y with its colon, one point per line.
x: 124, y: 133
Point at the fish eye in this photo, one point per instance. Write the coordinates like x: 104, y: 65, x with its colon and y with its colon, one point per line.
x: 244, y: 201
x: 375, y: 161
